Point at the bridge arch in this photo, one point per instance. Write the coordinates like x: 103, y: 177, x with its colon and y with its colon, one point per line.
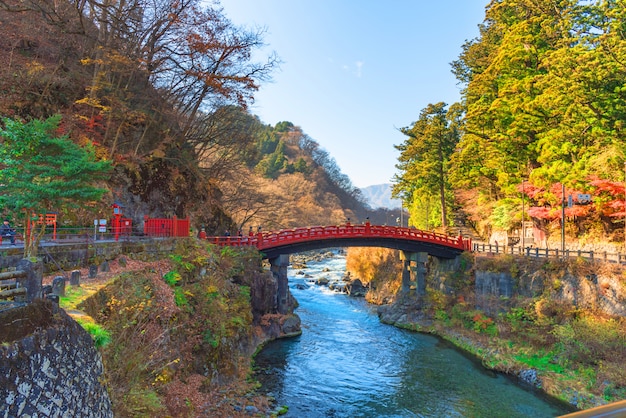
x: 414, y: 245
x: 274, y: 244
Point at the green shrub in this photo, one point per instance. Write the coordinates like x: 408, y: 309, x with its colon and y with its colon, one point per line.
x: 180, y: 298
x: 172, y: 278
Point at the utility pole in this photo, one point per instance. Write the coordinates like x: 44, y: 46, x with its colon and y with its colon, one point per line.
x: 563, y: 219
x: 523, y: 224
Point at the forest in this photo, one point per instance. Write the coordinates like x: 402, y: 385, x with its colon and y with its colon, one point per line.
x: 540, y: 125
x: 160, y: 90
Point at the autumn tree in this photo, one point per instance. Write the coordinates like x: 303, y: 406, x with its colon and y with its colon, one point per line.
x: 544, y: 103
x: 42, y: 171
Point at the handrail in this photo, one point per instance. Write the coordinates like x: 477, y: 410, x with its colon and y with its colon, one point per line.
x: 536, y: 252
x: 612, y: 410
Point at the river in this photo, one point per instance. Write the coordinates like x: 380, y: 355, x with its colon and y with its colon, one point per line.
x: 348, y: 364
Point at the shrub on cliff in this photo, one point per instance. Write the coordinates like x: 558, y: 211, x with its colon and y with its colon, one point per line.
x: 177, y: 331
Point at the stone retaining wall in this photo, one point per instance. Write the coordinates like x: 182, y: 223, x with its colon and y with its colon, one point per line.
x: 49, y: 366
x: 68, y: 256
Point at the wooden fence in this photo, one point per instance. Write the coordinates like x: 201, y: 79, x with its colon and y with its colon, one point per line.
x: 550, y: 253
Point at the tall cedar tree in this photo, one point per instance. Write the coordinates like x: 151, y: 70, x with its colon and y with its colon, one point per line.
x: 424, y: 159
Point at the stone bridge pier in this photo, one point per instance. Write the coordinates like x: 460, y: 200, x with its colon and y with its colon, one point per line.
x: 278, y: 267
x: 414, y: 272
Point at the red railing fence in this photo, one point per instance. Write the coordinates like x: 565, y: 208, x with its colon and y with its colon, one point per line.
x: 166, y: 227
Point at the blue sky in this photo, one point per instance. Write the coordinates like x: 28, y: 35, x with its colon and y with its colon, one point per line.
x: 354, y: 72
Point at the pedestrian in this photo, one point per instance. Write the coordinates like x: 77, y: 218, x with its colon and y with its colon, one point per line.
x: 7, y: 232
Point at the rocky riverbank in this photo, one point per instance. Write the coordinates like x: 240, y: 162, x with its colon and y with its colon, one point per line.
x: 558, y: 328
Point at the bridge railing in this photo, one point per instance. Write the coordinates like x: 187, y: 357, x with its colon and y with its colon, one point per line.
x: 288, y: 236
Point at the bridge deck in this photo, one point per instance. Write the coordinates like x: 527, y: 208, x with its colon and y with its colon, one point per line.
x: 302, y: 239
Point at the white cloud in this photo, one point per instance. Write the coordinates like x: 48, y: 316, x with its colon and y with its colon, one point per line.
x: 359, y: 67
x: 355, y: 69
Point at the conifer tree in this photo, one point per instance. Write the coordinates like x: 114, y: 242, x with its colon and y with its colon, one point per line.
x: 42, y: 171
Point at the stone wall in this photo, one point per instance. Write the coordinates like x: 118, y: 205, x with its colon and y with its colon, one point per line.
x: 68, y: 256
x: 49, y: 366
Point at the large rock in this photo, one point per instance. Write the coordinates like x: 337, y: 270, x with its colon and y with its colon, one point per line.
x: 355, y: 288
x: 52, y: 369
x: 322, y: 281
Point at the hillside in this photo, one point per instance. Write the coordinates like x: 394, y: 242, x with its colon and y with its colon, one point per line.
x: 178, y: 131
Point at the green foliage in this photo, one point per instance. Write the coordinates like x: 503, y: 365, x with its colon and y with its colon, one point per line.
x: 544, y: 361
x: 210, y: 339
x: 227, y: 251
x: 101, y: 337
x: 544, y: 102
x: 267, y: 143
x: 301, y: 166
x: 425, y: 156
x: 504, y: 213
x: 143, y: 402
x: 172, y: 278
x: 283, y: 126
x: 441, y: 315
x: 73, y: 296
x: 42, y: 172
x: 244, y: 292
x: 271, y: 165
x: 591, y: 341
x: 518, y: 318
x: 180, y: 297
x: 181, y: 262
x: 484, y: 324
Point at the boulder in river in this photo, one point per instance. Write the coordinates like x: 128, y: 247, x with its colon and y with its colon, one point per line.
x: 341, y: 288
x: 356, y: 288
x: 322, y: 281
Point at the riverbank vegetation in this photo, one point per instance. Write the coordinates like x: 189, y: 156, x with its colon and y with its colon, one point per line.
x: 180, y: 333
x: 554, y: 332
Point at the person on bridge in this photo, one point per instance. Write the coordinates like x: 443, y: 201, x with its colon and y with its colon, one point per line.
x: 7, y: 232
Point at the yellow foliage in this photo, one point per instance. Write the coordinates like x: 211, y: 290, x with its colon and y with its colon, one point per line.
x: 367, y: 263
x: 93, y: 102
x: 34, y: 68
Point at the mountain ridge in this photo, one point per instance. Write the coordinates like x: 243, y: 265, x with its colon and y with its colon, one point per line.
x: 379, y: 196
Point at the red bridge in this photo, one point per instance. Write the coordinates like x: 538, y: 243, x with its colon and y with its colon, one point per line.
x: 273, y: 244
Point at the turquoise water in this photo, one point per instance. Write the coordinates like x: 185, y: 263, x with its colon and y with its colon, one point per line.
x: 347, y: 364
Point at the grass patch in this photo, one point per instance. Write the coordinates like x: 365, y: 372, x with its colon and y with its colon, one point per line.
x: 540, y: 361
x: 74, y: 295
x: 101, y: 337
